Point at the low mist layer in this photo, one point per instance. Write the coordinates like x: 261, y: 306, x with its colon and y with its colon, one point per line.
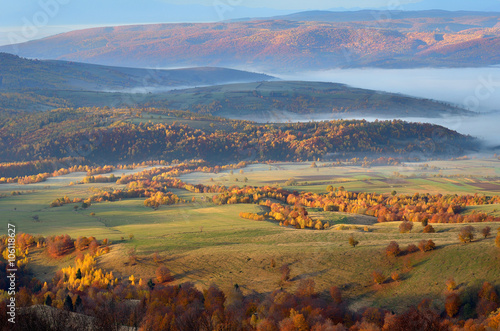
x: 476, y: 89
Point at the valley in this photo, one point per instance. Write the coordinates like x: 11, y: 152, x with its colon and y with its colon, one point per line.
x: 319, y: 170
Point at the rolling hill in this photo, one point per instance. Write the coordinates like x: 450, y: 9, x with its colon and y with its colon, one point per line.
x: 23, y: 74
x: 33, y: 85
x: 260, y: 101
x: 309, y: 40
x: 285, y: 100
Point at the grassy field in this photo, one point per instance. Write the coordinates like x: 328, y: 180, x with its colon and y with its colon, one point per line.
x: 205, y: 244
x: 445, y: 177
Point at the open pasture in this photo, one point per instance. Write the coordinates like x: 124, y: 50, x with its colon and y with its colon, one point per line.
x: 204, y: 243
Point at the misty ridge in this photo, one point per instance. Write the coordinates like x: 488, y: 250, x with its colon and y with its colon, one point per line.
x: 475, y: 89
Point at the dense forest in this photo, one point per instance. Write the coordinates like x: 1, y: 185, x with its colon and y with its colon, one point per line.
x: 112, y: 135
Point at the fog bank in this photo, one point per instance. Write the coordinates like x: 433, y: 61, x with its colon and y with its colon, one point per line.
x: 476, y: 89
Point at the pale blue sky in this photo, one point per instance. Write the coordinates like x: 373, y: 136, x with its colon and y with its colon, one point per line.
x: 298, y: 4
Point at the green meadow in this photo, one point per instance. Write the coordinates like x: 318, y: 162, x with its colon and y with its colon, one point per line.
x: 204, y: 243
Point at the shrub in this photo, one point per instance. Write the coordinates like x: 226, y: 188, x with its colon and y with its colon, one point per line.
x: 426, y: 245
x: 429, y: 229
x: 430, y: 245
x: 395, y: 276
x: 392, y: 249
x: 412, y: 248
x: 451, y: 285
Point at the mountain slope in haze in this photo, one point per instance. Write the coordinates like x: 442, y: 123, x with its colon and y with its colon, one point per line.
x: 285, y: 100
x: 410, y: 18
x: 258, y: 101
x: 310, y: 40
x: 22, y: 74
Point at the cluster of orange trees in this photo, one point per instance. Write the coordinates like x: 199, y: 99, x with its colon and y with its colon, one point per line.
x: 288, y: 207
x: 159, y: 198
x: 22, y: 169
x: 58, y: 133
x: 252, y: 216
x: 110, y: 301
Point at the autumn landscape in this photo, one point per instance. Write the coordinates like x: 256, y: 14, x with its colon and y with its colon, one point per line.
x: 223, y: 175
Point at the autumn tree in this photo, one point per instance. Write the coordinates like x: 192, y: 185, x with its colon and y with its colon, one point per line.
x: 466, y: 234
x: 163, y: 275
x: 59, y: 245
x: 353, y: 242
x: 412, y: 248
x: 68, y: 304
x: 392, y: 250
x: 378, y: 277
x: 488, y: 299
x: 214, y: 299
x: 93, y: 246
x: 82, y: 243
x: 405, y: 227
x: 452, y: 304
x: 285, y: 273
x: 486, y: 232
x: 335, y: 294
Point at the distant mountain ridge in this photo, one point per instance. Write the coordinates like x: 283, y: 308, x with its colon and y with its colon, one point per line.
x: 302, y: 41
x: 374, y: 15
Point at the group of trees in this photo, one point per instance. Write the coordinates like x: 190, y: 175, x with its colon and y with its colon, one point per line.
x: 61, y: 245
x: 159, y: 198
x: 59, y: 133
x: 252, y: 216
x: 27, y: 172
x: 154, y: 305
x: 393, y: 249
x: 157, y: 306
x: 289, y: 208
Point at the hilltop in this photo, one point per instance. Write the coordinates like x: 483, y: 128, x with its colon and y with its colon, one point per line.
x: 279, y: 100
x: 266, y: 101
x: 310, y: 40
x: 25, y: 74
